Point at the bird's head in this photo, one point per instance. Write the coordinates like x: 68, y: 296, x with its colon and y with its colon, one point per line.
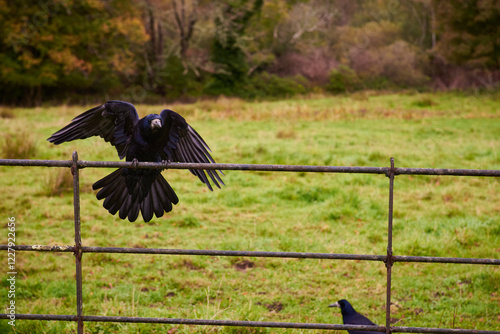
x: 154, y: 121
x: 345, y: 306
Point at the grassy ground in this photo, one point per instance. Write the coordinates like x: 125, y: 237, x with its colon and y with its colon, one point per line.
x: 338, y: 213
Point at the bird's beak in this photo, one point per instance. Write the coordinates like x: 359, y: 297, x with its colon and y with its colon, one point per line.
x: 155, y: 124
x: 334, y: 305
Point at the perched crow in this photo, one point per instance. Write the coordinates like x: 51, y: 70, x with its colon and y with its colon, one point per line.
x: 351, y: 317
x: 154, y: 138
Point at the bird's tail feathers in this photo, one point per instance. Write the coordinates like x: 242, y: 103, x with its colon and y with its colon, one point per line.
x: 131, y: 193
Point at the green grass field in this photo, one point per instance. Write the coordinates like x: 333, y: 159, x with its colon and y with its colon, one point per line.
x: 270, y: 211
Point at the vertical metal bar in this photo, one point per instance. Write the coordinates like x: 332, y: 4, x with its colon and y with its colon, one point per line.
x: 78, y: 241
x: 389, y: 260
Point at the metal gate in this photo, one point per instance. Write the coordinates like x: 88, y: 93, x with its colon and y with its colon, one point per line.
x: 389, y: 259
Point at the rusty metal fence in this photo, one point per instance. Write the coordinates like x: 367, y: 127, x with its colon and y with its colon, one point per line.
x: 389, y: 259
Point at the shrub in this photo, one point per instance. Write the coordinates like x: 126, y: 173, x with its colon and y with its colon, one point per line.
x: 6, y: 113
x: 402, y: 64
x: 378, y: 83
x: 424, y: 101
x: 343, y: 79
x: 397, y: 63
x: 314, y: 63
x: 271, y: 85
x: 216, y: 86
x: 260, y: 85
x: 18, y: 146
x: 60, y: 181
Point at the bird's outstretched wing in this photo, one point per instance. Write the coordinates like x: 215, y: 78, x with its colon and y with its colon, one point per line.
x: 184, y: 144
x: 113, y: 121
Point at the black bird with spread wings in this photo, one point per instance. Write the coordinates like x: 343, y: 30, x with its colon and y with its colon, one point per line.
x: 351, y: 317
x: 153, y: 138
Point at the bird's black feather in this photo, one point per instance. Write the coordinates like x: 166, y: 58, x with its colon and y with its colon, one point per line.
x: 129, y: 191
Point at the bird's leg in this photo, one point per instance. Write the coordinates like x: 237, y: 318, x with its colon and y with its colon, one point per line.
x: 135, y: 162
x: 166, y: 163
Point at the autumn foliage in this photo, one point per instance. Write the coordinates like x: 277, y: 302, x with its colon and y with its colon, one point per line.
x: 73, y: 51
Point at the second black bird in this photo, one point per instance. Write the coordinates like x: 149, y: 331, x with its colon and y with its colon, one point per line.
x: 351, y: 317
x: 153, y: 138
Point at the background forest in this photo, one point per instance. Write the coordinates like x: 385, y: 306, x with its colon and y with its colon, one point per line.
x: 162, y: 50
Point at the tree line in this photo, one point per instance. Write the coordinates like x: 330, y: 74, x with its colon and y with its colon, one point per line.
x: 157, y: 50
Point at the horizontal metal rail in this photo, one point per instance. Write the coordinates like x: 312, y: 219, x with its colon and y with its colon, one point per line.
x: 252, y: 167
x: 434, y: 259
x: 236, y: 323
x: 296, y: 255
